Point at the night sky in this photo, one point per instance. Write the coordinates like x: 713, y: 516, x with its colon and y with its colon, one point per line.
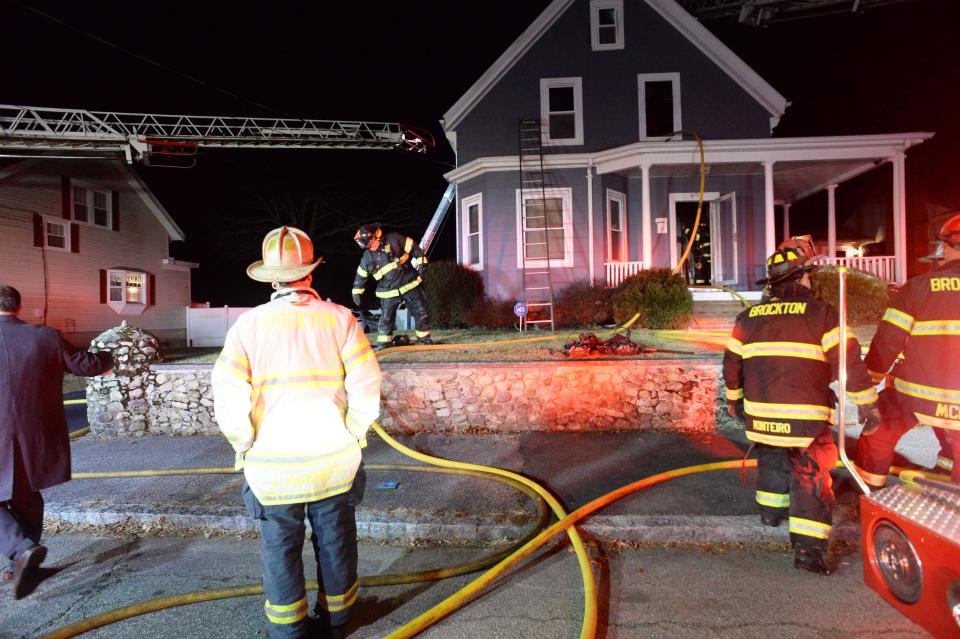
x: 892, y: 69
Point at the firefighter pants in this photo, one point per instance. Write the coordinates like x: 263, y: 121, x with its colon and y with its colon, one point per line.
x: 416, y: 303
x: 334, y: 540
x: 796, y: 482
x: 875, y: 451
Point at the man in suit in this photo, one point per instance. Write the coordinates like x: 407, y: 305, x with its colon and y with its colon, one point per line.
x: 34, y: 442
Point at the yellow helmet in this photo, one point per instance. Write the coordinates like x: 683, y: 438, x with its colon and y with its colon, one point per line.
x: 287, y: 256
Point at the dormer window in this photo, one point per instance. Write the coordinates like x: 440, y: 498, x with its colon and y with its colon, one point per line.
x: 606, y: 24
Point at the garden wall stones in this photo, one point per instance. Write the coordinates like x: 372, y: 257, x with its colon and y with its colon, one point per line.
x: 553, y: 396
x: 455, y: 397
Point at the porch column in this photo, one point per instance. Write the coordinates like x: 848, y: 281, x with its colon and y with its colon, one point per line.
x: 831, y: 220
x: 770, y: 223
x: 647, y: 256
x: 900, y: 217
x: 590, y: 219
x: 786, y: 221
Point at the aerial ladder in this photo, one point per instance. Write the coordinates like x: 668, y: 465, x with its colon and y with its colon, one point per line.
x: 173, y: 140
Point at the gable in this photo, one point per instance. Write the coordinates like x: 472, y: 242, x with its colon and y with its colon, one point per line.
x: 131, y: 180
x: 674, y: 15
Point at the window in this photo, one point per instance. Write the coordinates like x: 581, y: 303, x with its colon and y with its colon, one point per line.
x: 92, y: 206
x: 56, y: 233
x: 659, y: 104
x: 606, y: 24
x: 561, y: 109
x: 616, y: 226
x: 127, y: 290
x: 545, y: 227
x: 472, y: 210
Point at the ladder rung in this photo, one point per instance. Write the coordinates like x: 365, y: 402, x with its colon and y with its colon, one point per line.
x: 536, y: 288
x: 539, y: 303
x: 537, y: 272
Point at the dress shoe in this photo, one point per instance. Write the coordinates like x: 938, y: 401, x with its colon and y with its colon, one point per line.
x: 25, y: 569
x: 811, y: 560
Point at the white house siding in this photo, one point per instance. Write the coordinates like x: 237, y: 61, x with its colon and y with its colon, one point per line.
x: 73, y: 279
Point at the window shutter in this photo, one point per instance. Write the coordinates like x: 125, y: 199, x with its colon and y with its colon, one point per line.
x: 103, y: 286
x: 115, y: 211
x: 152, y: 293
x: 74, y: 238
x: 65, y: 202
x: 37, y: 230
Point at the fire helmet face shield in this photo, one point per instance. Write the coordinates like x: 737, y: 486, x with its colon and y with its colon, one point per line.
x: 366, y: 234
x: 786, y: 264
x: 950, y: 231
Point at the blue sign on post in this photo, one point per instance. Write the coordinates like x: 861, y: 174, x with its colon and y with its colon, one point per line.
x: 520, y: 309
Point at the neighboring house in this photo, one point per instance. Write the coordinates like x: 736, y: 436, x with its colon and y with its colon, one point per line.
x: 87, y: 245
x: 610, y: 80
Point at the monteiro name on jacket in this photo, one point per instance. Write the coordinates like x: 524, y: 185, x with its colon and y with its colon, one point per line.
x: 779, y: 308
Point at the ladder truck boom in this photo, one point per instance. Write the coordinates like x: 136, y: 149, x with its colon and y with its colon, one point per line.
x: 41, y: 129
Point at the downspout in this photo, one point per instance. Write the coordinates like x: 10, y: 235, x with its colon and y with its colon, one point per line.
x: 590, y: 218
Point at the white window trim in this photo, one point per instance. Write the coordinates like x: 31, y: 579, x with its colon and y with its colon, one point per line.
x: 66, y: 233
x: 124, y: 307
x: 622, y: 199
x: 566, y: 196
x: 91, y: 188
x: 642, y: 79
x: 465, y: 205
x: 595, y: 7
x: 545, y: 85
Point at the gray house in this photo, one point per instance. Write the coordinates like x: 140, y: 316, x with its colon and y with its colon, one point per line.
x: 606, y: 83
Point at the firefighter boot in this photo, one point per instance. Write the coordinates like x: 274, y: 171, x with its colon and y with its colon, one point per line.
x: 771, y: 518
x: 811, y: 560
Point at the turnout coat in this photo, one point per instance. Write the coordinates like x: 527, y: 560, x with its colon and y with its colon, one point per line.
x: 34, y: 443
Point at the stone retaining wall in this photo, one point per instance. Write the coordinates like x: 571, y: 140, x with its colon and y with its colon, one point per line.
x: 172, y: 399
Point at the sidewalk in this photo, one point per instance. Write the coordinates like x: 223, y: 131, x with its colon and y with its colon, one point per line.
x: 710, y: 507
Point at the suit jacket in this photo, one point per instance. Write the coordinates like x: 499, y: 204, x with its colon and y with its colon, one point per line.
x: 34, y: 442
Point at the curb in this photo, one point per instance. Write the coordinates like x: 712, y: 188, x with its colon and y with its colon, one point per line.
x: 406, y: 525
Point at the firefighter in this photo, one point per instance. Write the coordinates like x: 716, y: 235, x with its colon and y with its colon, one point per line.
x: 777, y: 369
x: 295, y: 389
x: 397, y: 263
x: 923, y: 323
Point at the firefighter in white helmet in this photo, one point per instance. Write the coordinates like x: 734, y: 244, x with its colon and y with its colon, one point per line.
x: 295, y: 389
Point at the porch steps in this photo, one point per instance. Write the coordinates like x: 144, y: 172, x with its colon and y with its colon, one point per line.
x: 714, y: 314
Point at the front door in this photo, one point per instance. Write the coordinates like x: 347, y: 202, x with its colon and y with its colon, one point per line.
x: 723, y: 224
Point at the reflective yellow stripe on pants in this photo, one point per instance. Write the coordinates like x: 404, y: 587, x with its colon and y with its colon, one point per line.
x: 336, y: 603
x: 286, y: 613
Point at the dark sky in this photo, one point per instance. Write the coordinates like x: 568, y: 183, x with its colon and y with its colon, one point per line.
x: 889, y: 70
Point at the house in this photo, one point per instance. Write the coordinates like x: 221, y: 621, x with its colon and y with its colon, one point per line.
x: 608, y: 82
x: 87, y: 245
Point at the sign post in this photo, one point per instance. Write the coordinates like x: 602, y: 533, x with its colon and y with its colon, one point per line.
x: 520, y: 310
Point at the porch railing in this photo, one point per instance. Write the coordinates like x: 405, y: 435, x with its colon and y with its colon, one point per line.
x: 881, y: 266
x: 619, y: 271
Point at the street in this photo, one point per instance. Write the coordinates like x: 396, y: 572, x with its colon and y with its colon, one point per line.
x: 655, y: 592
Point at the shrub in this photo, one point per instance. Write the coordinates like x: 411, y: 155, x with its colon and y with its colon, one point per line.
x: 491, y: 312
x: 867, y: 296
x: 583, y: 304
x: 451, y: 290
x: 661, y: 297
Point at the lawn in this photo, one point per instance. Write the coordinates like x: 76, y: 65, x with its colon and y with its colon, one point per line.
x: 664, y: 345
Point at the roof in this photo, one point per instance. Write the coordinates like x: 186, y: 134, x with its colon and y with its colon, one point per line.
x: 669, y: 10
x: 137, y: 186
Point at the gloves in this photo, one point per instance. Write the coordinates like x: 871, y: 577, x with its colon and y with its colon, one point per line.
x: 356, y: 299
x: 735, y: 409
x: 869, y: 416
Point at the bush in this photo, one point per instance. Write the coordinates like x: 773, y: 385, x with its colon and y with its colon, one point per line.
x: 867, y: 296
x: 583, y: 304
x: 661, y: 297
x: 451, y: 290
x: 491, y: 313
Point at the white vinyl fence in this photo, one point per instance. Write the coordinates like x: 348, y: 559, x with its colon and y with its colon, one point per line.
x: 209, y: 326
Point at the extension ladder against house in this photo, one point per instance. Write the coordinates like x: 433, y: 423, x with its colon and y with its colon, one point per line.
x: 534, y: 240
